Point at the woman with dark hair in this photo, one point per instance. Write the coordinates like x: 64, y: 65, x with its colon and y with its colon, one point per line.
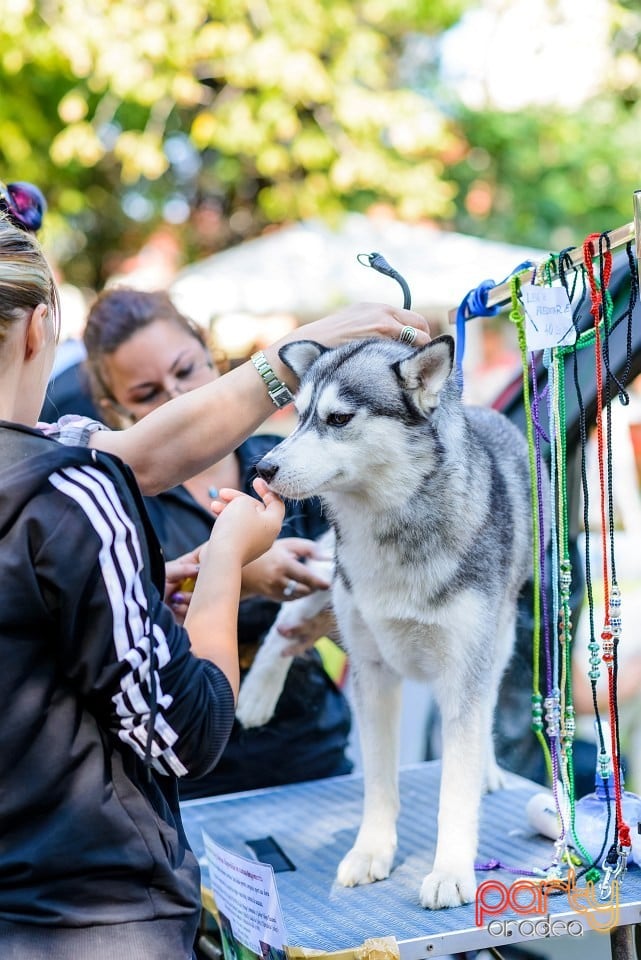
x: 141, y: 351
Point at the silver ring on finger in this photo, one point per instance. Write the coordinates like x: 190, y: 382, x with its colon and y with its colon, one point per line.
x: 290, y: 589
x: 407, y: 335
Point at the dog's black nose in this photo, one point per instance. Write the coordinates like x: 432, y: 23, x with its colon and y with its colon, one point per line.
x: 266, y: 469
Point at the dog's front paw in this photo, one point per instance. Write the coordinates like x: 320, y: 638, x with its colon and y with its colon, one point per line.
x: 495, y: 778
x: 255, y: 706
x: 364, y: 866
x: 443, y: 889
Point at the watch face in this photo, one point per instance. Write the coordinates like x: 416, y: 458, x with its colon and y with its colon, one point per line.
x: 278, y: 391
x: 281, y: 395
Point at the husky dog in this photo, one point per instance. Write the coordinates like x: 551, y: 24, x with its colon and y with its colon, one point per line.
x: 430, y: 503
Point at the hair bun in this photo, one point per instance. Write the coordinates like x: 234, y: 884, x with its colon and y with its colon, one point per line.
x: 24, y: 204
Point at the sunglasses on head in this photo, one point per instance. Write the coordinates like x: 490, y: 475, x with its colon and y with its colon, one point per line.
x: 24, y: 204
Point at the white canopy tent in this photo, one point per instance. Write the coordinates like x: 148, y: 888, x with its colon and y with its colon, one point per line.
x: 309, y: 269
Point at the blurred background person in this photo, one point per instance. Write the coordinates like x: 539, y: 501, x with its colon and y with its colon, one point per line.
x: 141, y: 352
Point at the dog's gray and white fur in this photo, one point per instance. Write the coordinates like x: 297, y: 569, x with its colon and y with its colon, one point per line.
x: 430, y: 503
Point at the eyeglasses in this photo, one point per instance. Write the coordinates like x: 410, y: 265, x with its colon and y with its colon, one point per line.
x: 24, y: 204
x: 186, y: 378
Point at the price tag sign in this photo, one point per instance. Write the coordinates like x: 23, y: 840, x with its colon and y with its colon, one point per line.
x: 548, y: 317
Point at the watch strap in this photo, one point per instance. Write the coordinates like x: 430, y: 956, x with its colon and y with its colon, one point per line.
x: 279, y: 392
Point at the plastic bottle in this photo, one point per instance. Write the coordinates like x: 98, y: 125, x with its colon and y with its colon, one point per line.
x: 542, y: 816
x: 591, y: 813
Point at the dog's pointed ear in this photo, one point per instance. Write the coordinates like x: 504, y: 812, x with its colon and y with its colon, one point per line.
x: 300, y: 355
x: 423, y: 374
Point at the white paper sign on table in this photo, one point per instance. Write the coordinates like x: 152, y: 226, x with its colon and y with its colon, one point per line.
x: 247, y: 900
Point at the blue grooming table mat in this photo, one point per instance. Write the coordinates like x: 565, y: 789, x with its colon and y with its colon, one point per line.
x: 316, y: 823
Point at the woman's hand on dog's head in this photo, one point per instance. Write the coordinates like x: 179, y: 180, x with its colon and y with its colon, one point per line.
x: 361, y: 320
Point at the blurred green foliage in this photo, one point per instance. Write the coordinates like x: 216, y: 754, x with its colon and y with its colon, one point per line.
x: 221, y: 117
x: 548, y: 176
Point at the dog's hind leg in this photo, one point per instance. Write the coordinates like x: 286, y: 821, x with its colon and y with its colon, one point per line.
x: 377, y: 701
x: 465, y: 734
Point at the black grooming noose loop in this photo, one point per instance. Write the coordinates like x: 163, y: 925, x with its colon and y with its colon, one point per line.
x: 378, y: 262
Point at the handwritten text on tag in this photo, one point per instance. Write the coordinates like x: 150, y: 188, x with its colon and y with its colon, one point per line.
x: 548, y: 317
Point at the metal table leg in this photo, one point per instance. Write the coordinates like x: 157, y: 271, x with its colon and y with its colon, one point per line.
x: 622, y: 943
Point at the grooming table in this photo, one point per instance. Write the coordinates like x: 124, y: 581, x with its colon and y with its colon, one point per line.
x: 315, y: 824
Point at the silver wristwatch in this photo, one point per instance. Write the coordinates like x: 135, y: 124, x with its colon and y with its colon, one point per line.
x: 278, y: 391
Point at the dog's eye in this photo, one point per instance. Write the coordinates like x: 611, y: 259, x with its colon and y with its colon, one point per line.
x: 339, y: 419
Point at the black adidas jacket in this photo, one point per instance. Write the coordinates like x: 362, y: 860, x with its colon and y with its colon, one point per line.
x: 90, y: 833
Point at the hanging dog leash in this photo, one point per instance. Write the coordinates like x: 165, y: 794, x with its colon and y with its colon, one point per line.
x: 378, y: 262
x: 559, y: 711
x: 601, y: 309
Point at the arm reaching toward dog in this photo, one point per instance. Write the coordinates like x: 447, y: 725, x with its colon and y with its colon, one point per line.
x: 245, y: 528
x: 192, y: 431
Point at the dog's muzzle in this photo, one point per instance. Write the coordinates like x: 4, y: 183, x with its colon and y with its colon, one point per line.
x: 266, y: 469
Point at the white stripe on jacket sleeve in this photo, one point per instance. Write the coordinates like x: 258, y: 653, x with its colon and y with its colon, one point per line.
x: 120, y: 559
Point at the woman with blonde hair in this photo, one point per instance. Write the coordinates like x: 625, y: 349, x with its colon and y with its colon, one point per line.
x: 107, y: 700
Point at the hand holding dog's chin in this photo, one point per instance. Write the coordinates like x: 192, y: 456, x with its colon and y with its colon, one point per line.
x: 245, y: 527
